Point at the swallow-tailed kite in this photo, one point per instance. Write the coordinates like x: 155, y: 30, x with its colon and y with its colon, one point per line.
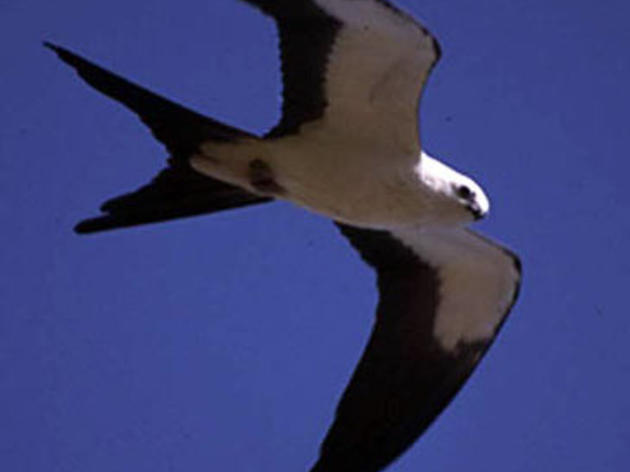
x: 347, y: 147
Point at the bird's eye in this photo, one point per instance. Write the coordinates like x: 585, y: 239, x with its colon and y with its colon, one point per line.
x: 464, y: 192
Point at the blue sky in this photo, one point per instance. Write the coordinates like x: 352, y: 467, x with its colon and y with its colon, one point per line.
x: 223, y: 342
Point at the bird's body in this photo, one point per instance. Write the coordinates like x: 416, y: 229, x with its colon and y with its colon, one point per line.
x: 369, y: 120
x: 348, y: 147
x: 386, y: 190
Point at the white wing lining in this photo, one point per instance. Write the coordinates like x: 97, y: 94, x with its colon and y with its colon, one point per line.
x: 378, y: 66
x: 479, y: 281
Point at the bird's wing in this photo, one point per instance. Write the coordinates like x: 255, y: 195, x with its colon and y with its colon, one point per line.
x: 357, y: 68
x: 443, y: 297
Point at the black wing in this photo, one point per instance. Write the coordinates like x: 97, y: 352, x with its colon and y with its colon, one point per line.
x: 359, y: 66
x: 307, y: 34
x: 406, y: 376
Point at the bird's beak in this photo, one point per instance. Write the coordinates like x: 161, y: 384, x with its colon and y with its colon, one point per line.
x: 476, y: 211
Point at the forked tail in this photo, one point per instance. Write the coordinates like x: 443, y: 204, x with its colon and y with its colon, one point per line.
x: 177, y: 191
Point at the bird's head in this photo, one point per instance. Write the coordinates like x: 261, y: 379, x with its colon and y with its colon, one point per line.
x: 466, y: 198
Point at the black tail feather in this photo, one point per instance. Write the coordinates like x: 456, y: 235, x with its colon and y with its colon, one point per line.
x: 180, y: 129
x: 177, y: 192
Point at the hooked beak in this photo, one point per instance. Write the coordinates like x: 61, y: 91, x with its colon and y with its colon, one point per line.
x: 476, y: 211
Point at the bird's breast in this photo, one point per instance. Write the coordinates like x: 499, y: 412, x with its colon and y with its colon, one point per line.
x: 354, y: 185
x: 355, y: 181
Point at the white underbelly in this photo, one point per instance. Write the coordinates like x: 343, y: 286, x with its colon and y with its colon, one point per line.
x: 354, y: 184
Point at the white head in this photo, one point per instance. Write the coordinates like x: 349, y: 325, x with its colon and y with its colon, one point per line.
x: 466, y: 197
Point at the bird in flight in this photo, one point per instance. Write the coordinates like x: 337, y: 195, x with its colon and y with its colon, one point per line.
x: 347, y: 147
